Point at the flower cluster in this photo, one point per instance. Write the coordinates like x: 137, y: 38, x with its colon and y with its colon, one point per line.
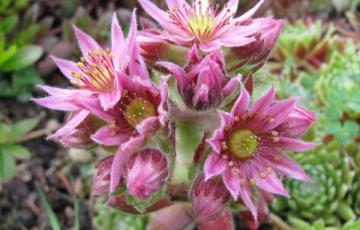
x: 233, y: 149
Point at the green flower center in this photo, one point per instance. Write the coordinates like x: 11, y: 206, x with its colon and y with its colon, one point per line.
x: 242, y: 143
x: 138, y: 110
x: 201, y: 25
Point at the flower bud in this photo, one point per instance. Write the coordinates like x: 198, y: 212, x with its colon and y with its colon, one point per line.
x: 155, y: 49
x: 224, y: 221
x: 258, y: 51
x: 145, y: 172
x: 79, y: 137
x: 102, y: 176
x: 208, y: 198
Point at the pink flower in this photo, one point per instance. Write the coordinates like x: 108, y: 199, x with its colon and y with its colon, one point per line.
x: 141, y: 108
x: 145, y: 172
x: 208, y: 198
x: 247, y: 148
x: 205, y: 25
x: 98, y: 69
x: 202, y: 83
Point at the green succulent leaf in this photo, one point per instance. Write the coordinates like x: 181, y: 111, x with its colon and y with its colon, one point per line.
x: 7, y: 164
x: 9, y: 23
x: 24, y: 57
x: 16, y: 150
x: 22, y: 127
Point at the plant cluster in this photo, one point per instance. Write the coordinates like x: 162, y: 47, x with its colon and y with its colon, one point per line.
x: 186, y: 125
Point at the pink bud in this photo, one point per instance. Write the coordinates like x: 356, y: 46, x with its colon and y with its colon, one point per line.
x: 259, y: 50
x: 223, y: 222
x: 208, y: 198
x: 79, y: 137
x: 155, y: 49
x: 145, y: 172
x: 102, y: 176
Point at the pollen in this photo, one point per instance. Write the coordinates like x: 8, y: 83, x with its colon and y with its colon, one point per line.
x: 201, y: 26
x: 96, y: 71
x: 242, y: 143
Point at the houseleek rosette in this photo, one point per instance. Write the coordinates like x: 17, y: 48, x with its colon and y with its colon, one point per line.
x: 325, y: 197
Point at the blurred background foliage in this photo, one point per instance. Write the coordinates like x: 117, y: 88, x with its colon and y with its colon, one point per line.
x: 317, y: 57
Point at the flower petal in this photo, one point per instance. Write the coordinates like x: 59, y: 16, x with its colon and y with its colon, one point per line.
x: 94, y: 106
x: 232, y: 183
x: 55, y: 103
x: 175, y: 3
x: 291, y: 144
x: 271, y: 183
x: 262, y: 104
x: 101, y: 179
x: 245, y: 195
x: 214, y: 165
x: 160, y: 16
x: 241, y: 104
x: 163, y: 107
x: 109, y: 99
x: 250, y: 12
x: 147, y: 126
x: 117, y: 169
x: 136, y: 63
x: 66, y: 67
x: 71, y: 124
x: 287, y: 167
x: 117, y: 44
x: 86, y: 43
x: 231, y: 85
x: 106, y: 136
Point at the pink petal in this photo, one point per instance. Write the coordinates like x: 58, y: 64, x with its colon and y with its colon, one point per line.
x: 117, y: 44
x: 147, y: 126
x: 109, y: 99
x: 279, y: 112
x: 175, y: 70
x: 175, y: 3
x: 218, y: 136
x: 163, y: 107
x: 287, y: 167
x: 231, y: 85
x: 201, y: 94
x: 160, y: 16
x: 94, y: 106
x: 66, y: 67
x: 214, y: 165
x: 241, y: 104
x: 232, y: 183
x: 106, y: 136
x: 291, y: 144
x: 86, y: 43
x: 262, y: 104
x: 136, y: 64
x: 271, y: 183
x: 233, y: 40
x: 55, y: 103
x: 71, y: 124
x: 134, y: 143
x: 251, y: 12
x: 232, y: 5
x: 117, y: 169
x: 245, y: 195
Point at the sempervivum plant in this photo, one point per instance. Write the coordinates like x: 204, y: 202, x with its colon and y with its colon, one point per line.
x: 325, y: 196
x: 193, y: 135
x: 303, y: 46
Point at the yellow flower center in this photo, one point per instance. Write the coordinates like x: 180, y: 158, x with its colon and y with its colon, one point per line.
x: 138, y: 110
x: 242, y: 143
x: 201, y: 25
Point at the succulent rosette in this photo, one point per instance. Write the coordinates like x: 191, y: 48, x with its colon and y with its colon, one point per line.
x: 325, y: 196
x: 247, y: 148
